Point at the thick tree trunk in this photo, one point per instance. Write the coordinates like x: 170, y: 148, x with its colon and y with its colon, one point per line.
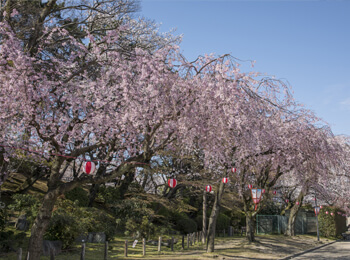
x: 214, y: 215
x: 293, y: 213
x: 291, y: 221
x: 250, y: 226
x: 45, y: 212
x: 129, y: 178
x: 204, y: 229
x: 40, y: 224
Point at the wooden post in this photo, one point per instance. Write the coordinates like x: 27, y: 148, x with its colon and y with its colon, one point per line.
x: 183, y: 242
x: 82, y: 256
x: 230, y: 231
x: 159, y: 244
x: 144, y: 246
x: 188, y: 241
x: 52, y: 255
x: 204, y: 229
x: 172, y: 244
x: 126, y: 248
x: 19, y: 257
x: 106, y: 251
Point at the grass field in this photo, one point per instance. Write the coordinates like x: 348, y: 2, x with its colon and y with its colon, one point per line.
x: 266, y: 247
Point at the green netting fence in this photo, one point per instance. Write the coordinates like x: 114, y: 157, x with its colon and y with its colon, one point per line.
x: 276, y: 224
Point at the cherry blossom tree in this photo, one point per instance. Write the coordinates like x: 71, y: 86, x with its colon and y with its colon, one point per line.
x: 82, y: 93
x: 326, y: 156
x: 246, y: 128
x: 93, y: 99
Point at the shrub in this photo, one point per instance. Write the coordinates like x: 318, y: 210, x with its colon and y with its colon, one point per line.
x: 145, y: 228
x: 183, y: 223
x: 108, y: 195
x: 100, y: 221
x: 328, y: 223
x: 64, y: 227
x: 9, y: 241
x: 27, y: 204
x: 80, y: 195
x: 222, y: 222
x: 70, y: 221
x: 3, y: 218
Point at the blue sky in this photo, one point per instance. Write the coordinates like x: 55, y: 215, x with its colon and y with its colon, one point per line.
x: 306, y: 42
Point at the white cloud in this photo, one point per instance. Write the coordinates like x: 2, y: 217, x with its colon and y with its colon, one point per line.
x: 345, y: 104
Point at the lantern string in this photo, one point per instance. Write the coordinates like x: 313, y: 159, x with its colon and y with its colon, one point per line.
x: 66, y: 156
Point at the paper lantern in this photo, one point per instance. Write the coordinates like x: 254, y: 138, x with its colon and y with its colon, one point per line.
x: 250, y: 186
x: 256, y: 196
x: 297, y: 203
x: 224, y: 180
x: 321, y: 207
x: 332, y: 213
x: 234, y: 170
x: 172, y: 183
x: 317, y: 210
x: 89, y: 167
x: 274, y: 192
x: 263, y: 191
x: 287, y: 200
x: 208, y: 188
x: 327, y: 212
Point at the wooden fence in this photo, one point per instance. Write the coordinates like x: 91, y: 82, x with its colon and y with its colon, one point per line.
x: 186, y: 241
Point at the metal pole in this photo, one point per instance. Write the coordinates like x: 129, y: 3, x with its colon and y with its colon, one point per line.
x: 318, y: 231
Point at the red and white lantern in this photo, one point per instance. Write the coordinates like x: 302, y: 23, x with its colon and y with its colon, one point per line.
x: 256, y: 196
x: 297, y: 202
x: 208, y: 188
x: 172, y: 183
x: 332, y: 213
x: 317, y: 210
x: 274, y: 192
x: 263, y: 191
x: 321, y: 207
x: 327, y: 212
x: 287, y: 200
x: 250, y: 186
x: 224, y: 180
x: 89, y: 167
x: 233, y: 170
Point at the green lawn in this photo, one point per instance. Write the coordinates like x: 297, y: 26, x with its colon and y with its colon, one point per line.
x: 115, y: 250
